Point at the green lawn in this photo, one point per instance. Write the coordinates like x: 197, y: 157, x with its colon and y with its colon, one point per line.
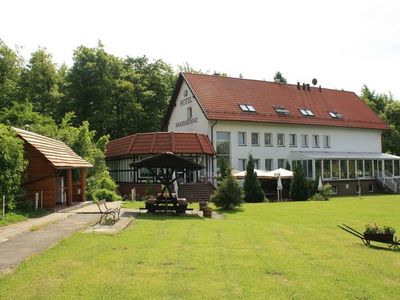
x: 20, y: 215
x: 268, y: 250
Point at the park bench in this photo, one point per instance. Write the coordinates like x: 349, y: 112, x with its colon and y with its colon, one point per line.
x: 106, y: 212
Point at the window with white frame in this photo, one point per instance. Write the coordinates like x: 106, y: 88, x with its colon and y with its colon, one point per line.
x: 292, y: 140
x: 241, y: 138
x: 315, y: 141
x: 269, y: 164
x: 304, y: 140
x: 256, y: 163
x: 242, y: 164
x: 281, y: 163
x: 189, y: 113
x: 255, y: 139
x: 327, y: 141
x: 268, y: 139
x: 280, y: 139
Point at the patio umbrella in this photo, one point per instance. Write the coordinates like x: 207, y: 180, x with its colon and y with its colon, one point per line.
x: 260, y: 174
x: 283, y: 173
x: 320, y: 186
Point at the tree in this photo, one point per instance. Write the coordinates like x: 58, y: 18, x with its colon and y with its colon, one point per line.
x: 40, y: 83
x: 12, y: 165
x: 299, y: 188
x: 376, y: 101
x: 252, y: 187
x: 224, y: 169
x: 10, y: 69
x: 279, y: 78
x: 228, y: 194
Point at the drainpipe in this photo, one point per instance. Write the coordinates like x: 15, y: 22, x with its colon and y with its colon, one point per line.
x: 212, y: 143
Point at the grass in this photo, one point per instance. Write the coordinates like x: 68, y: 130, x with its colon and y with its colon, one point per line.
x: 263, y: 251
x: 21, y: 215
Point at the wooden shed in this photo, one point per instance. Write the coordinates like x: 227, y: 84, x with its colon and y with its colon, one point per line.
x: 54, y: 172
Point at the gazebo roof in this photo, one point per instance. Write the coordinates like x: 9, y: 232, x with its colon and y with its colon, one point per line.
x: 56, y: 152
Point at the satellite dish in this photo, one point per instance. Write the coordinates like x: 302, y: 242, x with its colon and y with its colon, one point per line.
x: 314, y: 81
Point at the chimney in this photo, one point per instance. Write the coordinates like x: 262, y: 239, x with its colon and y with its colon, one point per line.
x: 320, y: 89
x: 304, y: 86
x: 298, y: 85
x: 308, y: 86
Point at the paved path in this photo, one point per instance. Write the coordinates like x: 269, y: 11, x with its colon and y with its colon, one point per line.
x: 19, y: 241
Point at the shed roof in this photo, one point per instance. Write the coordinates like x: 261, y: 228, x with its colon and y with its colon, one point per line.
x: 221, y: 98
x: 159, y: 142
x: 56, y: 152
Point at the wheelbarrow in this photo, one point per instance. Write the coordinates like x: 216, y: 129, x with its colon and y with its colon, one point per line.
x: 366, y: 238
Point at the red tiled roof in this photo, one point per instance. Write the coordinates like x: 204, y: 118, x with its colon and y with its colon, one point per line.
x: 158, y: 142
x: 220, y: 97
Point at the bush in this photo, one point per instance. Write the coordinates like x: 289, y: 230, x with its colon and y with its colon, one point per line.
x: 299, y: 188
x: 228, y: 194
x: 252, y: 187
x: 12, y: 165
x: 324, y: 195
x: 105, y: 194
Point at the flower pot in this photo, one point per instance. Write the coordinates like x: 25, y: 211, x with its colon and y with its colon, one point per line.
x: 207, y: 212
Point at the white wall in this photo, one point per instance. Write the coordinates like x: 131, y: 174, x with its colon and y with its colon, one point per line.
x: 341, y: 140
x: 198, y: 123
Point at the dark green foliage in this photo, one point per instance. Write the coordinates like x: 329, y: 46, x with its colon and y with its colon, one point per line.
x: 252, y: 187
x: 104, y: 194
x: 324, y: 195
x: 224, y: 169
x: 279, y: 78
x: 299, y: 188
x: 12, y: 165
x: 228, y: 194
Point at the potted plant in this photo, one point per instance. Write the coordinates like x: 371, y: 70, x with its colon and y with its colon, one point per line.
x: 207, y: 212
x: 378, y: 233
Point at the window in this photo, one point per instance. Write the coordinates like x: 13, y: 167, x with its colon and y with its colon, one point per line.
x: 396, y: 168
x: 304, y: 140
x: 189, y: 113
x: 335, y: 115
x: 360, y: 168
x: 242, y: 138
x: 352, y: 168
x: 327, y: 168
x: 280, y: 139
x: 335, y: 189
x: 292, y: 140
x: 335, y: 168
x: 306, y: 112
x: 255, y: 137
x: 343, y: 169
x: 256, y: 163
x: 247, y: 107
x: 185, y: 93
x: 318, y: 168
x: 268, y: 139
x: 280, y: 110
x: 223, y: 145
x: 389, y: 166
x: 368, y: 168
x: 242, y: 164
x: 315, y: 141
x: 281, y: 163
x: 327, y: 141
x: 269, y: 164
x: 371, y: 188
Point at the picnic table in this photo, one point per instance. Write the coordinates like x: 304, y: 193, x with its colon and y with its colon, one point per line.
x: 166, y: 204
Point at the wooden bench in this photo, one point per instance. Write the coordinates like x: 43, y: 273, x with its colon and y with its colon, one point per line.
x: 105, y: 212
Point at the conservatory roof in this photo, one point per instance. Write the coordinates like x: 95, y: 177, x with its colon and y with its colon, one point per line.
x: 342, y: 155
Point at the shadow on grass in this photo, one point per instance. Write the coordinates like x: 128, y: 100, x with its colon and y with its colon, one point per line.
x: 230, y: 211
x: 167, y: 217
x: 382, y: 248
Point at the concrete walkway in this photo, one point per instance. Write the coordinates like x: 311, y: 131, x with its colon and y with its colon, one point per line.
x: 21, y: 240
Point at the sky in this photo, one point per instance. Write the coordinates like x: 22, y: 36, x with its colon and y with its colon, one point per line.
x: 343, y: 43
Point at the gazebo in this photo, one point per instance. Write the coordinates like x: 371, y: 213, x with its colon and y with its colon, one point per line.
x: 164, y: 167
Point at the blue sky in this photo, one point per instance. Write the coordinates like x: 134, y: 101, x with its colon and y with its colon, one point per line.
x: 344, y: 44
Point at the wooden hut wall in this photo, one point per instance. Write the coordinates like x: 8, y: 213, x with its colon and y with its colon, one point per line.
x: 39, y: 176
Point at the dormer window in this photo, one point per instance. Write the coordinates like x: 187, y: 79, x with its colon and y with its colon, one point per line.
x: 247, y: 107
x: 306, y: 112
x: 335, y: 115
x: 280, y: 110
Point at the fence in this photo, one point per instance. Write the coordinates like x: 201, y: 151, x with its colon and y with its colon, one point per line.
x: 34, y: 199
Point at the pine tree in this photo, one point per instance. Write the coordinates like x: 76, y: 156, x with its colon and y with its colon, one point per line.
x: 252, y: 187
x: 299, y: 188
x: 228, y: 194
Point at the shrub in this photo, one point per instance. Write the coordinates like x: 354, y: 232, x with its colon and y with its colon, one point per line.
x: 12, y: 165
x: 105, y: 194
x: 252, y: 187
x: 374, y: 228
x: 324, y: 195
x: 299, y: 188
x: 224, y: 170
x: 228, y: 194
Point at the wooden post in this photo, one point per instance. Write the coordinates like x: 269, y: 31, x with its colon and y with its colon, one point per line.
x: 69, y: 186
x: 83, y: 184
